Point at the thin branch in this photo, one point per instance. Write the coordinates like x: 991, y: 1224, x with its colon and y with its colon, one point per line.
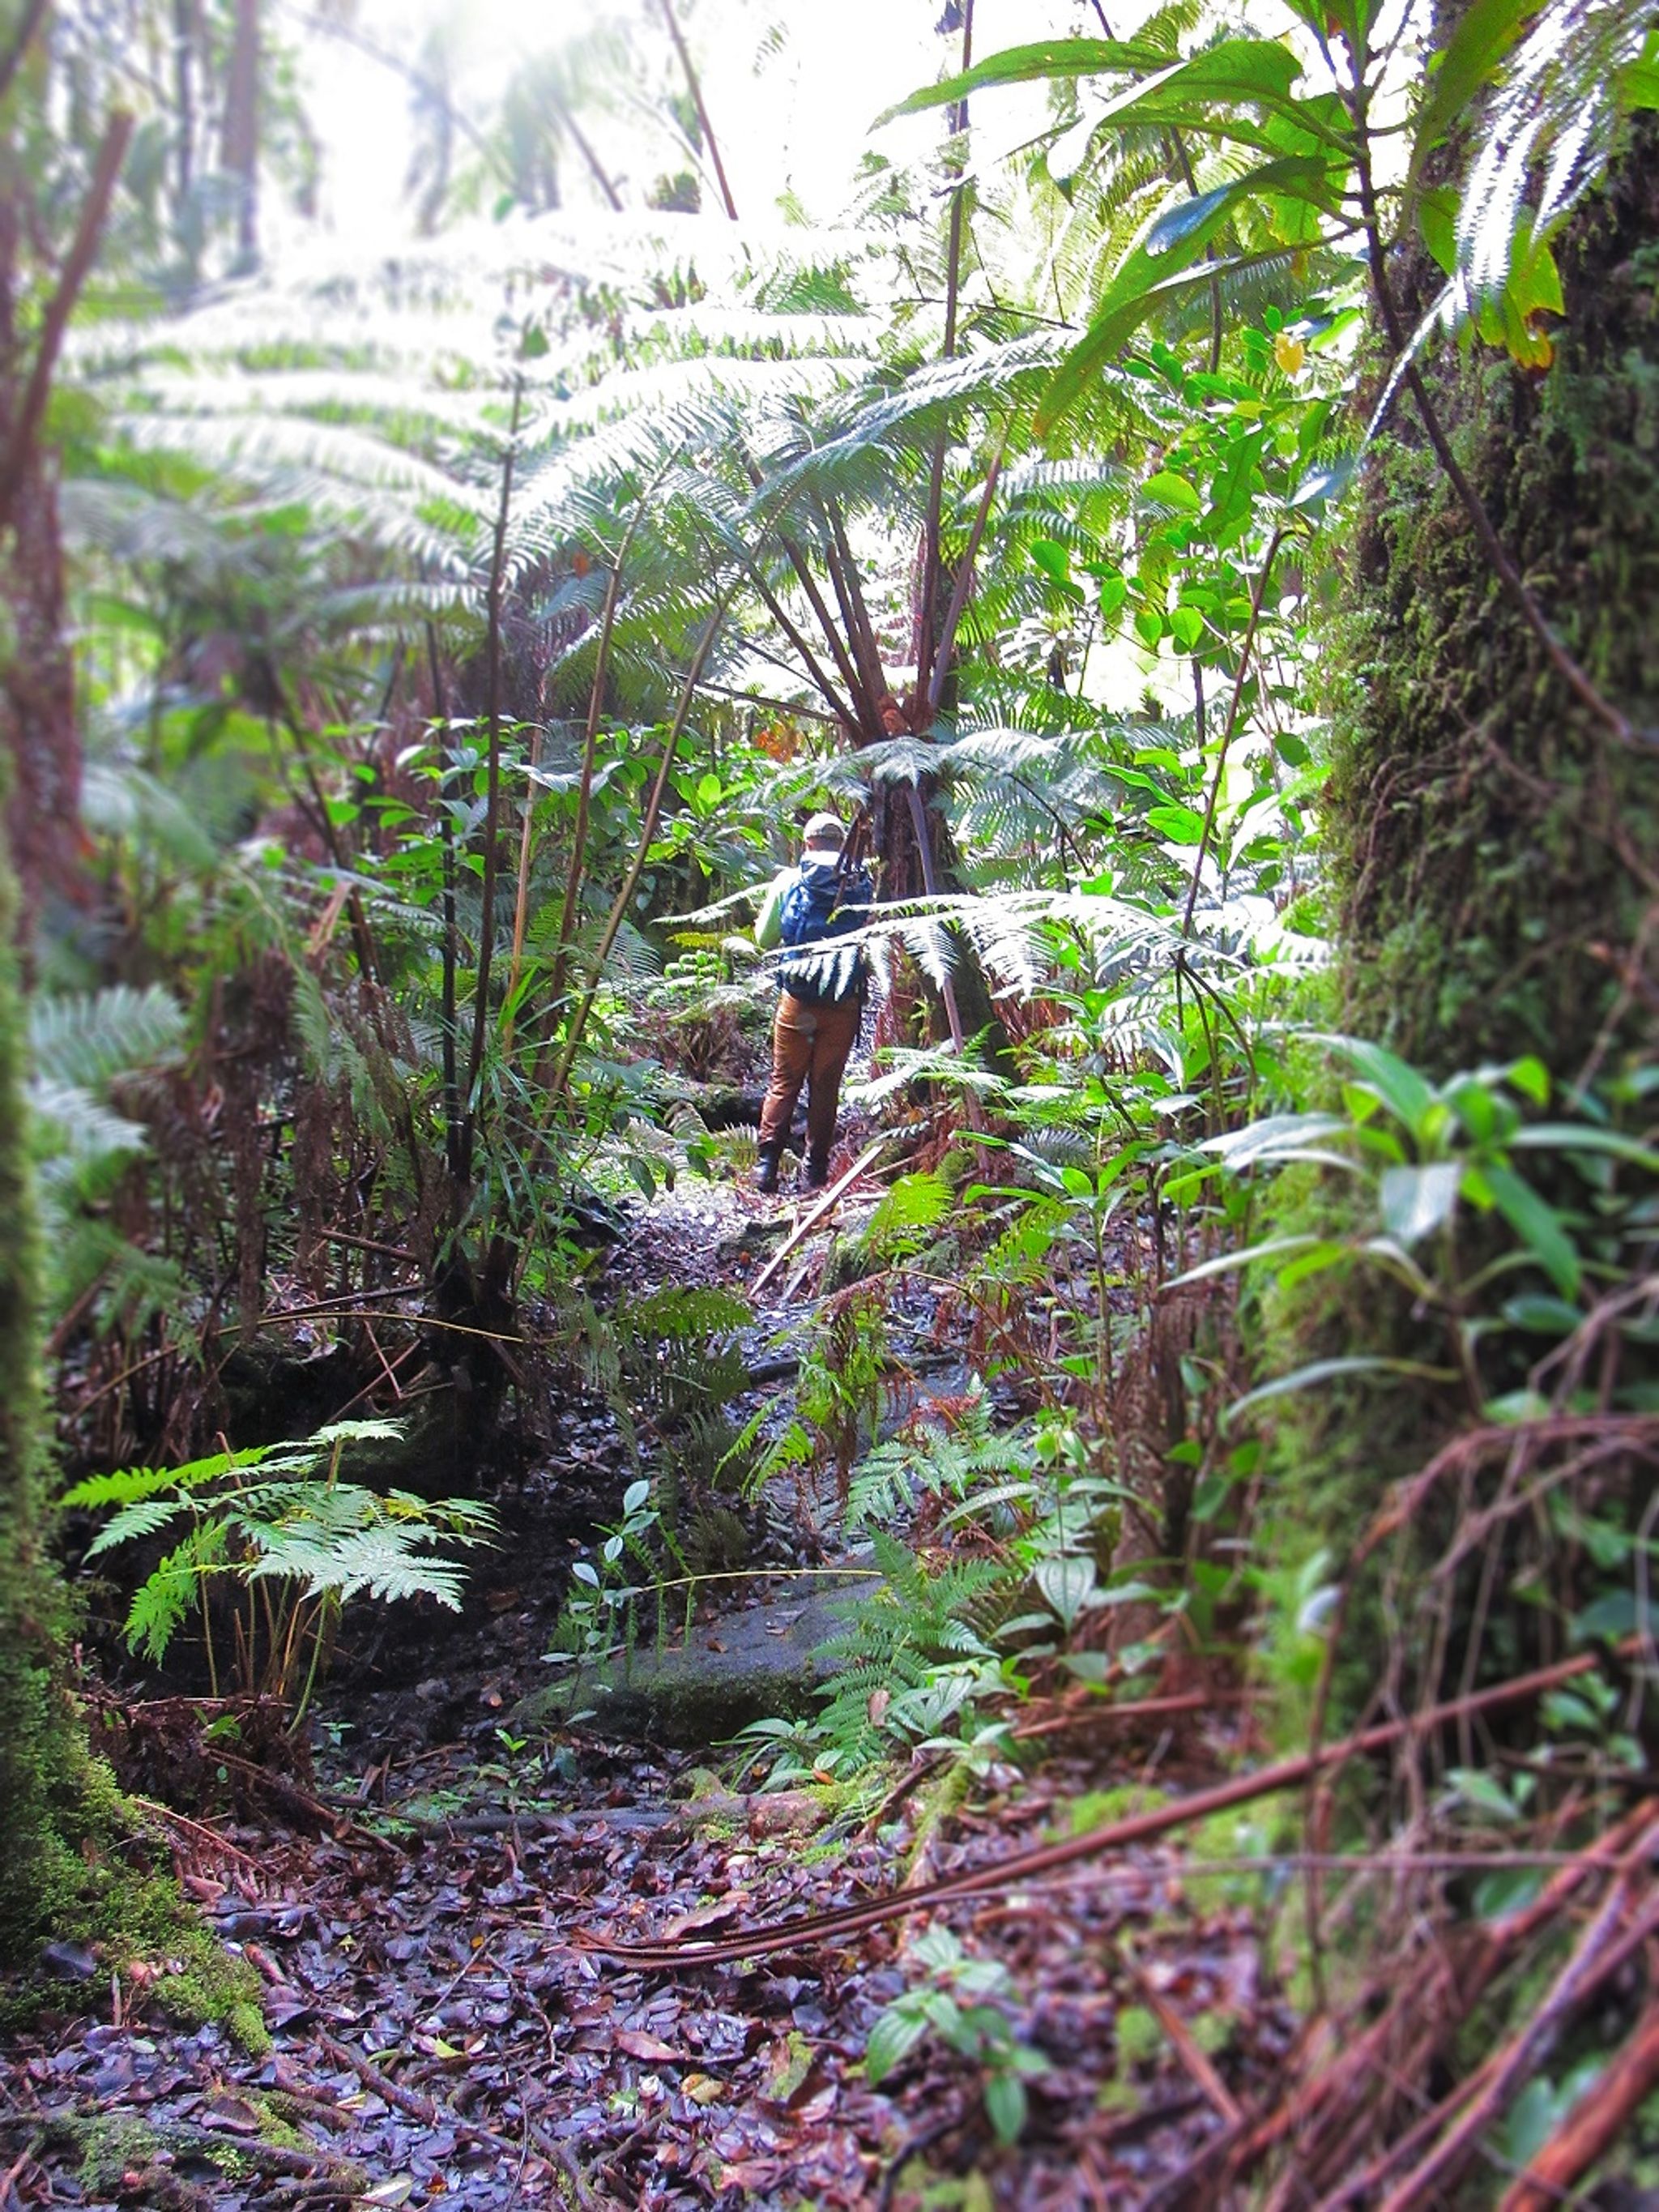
x: 573, y: 880
x: 493, y: 782
x: 697, y: 101
x: 648, y: 832
x: 1020, y: 1867
x: 1213, y: 800
x: 864, y: 709
x: 933, y: 525
x: 33, y: 16
x: 965, y: 583
x: 452, y: 1088
x: 76, y: 269
x: 595, y: 167
x: 849, y: 596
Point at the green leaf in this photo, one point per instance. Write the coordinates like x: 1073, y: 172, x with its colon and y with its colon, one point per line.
x: 1171, y: 490
x: 1329, y: 1371
x: 1485, y: 32
x: 1065, y: 1586
x: 1607, y: 1619
x: 1050, y: 58
x: 1401, y: 1088
x: 1052, y: 557
x: 1273, y: 1249
x: 1302, y: 179
x: 1415, y: 1201
x: 1005, y: 2106
x: 1638, y: 82
x: 1538, y: 1226
x: 1181, y: 826
x: 1187, y: 627
x: 894, y: 2037
x: 1144, y: 283
x: 1584, y: 1137
x: 1482, y: 1791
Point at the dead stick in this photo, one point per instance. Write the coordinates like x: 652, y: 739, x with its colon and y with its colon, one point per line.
x: 810, y: 1219
x: 1526, y: 2051
x: 1192, y: 2057
x: 1596, y: 2121
x: 1116, y: 1835
x: 418, y: 2107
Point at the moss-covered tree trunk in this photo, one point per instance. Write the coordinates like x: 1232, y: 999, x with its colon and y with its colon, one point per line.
x: 1497, y: 851
x: 39, y: 1749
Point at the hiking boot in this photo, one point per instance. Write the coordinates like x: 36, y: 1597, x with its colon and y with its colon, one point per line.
x: 816, y: 1171
x: 767, y: 1161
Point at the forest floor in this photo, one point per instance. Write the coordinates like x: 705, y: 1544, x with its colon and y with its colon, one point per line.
x: 427, y: 1911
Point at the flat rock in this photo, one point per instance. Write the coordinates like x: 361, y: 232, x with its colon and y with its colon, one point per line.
x: 762, y: 1660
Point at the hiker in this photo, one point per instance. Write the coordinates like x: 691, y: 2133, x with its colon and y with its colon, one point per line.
x: 822, y: 998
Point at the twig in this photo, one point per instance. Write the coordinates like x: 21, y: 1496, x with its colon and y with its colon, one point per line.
x: 1116, y: 1835
x: 492, y: 788
x: 33, y: 16
x: 1596, y: 2121
x: 1192, y: 2057
x: 9, y: 2178
x: 810, y: 1220
x: 198, y: 1831
x: 416, y: 2105
x: 1595, y: 1956
x: 698, y: 102
x: 78, y: 268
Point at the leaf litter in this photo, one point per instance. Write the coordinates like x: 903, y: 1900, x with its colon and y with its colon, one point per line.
x: 441, y: 2035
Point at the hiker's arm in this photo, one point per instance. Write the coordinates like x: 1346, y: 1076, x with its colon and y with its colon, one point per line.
x: 768, y: 923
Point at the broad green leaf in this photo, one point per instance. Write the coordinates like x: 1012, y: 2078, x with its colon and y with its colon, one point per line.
x: 1005, y: 2106
x: 1638, y: 83
x: 894, y: 2037
x: 1066, y: 1586
x: 1607, y: 1619
x: 1142, y: 285
x: 1181, y: 826
x: 1056, y: 58
x: 1538, y: 1226
x: 1401, y: 1088
x: 1052, y: 558
x: 1485, y: 32
x: 1328, y: 481
x: 1584, y: 1137
x: 1482, y: 1791
x: 1171, y: 490
x: 1330, y: 1370
x: 1415, y: 1201
x: 1298, y: 179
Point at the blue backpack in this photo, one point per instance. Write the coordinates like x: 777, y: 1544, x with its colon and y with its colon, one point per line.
x: 824, y: 902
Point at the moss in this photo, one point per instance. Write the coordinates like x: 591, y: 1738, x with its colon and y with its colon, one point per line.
x: 1139, y: 2037
x: 1481, y: 823
x: 935, y: 1802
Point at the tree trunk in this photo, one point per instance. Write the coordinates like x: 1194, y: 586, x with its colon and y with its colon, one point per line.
x: 39, y: 739
x: 38, y: 1729
x: 240, y: 136
x: 1496, y: 852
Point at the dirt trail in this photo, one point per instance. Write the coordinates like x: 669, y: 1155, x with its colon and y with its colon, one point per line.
x: 439, y: 2038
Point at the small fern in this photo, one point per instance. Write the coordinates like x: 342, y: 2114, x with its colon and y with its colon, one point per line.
x: 267, y: 1516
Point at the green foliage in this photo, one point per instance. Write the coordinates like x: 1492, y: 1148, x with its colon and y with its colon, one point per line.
x: 294, y: 1546
x: 978, y: 2031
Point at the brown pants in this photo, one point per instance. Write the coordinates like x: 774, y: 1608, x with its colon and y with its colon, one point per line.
x: 808, y: 1043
